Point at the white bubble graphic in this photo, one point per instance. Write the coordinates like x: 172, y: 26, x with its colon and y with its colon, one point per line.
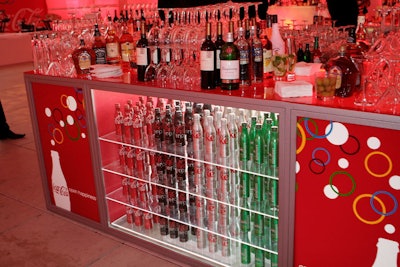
x: 70, y: 120
x: 390, y: 229
x: 83, y: 135
x: 47, y: 111
x: 71, y: 103
x: 373, y: 142
x: 297, y: 167
x: 329, y: 192
x: 62, y: 123
x: 52, y: 142
x: 343, y: 163
x: 394, y: 182
x: 338, y: 134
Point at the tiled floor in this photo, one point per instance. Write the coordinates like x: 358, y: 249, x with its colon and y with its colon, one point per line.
x: 30, y: 235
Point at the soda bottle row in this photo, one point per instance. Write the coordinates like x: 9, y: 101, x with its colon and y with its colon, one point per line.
x: 200, y: 165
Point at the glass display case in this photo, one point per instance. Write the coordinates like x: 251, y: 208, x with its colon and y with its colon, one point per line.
x: 196, y: 177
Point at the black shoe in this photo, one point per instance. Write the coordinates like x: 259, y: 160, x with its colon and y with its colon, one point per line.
x: 11, y: 135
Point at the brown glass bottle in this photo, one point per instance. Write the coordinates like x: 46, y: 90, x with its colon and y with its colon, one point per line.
x: 142, y: 54
x: 219, y: 42
x: 83, y: 57
x: 346, y: 71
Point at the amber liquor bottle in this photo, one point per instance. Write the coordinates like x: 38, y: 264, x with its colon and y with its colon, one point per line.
x: 83, y: 57
x: 126, y: 46
x: 99, y: 46
x: 112, y: 45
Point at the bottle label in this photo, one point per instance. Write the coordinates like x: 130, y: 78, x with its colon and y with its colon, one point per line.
x: 257, y: 54
x: 112, y: 50
x: 244, y: 57
x: 141, y: 56
x: 218, y: 60
x: 338, y: 71
x: 100, y: 55
x: 267, y: 56
x: 207, y: 60
x: 126, y: 51
x: 229, y: 70
x: 84, y: 60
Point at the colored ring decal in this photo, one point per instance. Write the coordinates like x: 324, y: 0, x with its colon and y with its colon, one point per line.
x: 352, y: 181
x: 327, y: 153
x: 315, y: 135
x: 377, y: 174
x: 61, y: 134
x: 315, y: 125
x: 396, y: 204
x: 79, y: 132
x: 362, y: 219
x: 54, y: 117
x: 321, y: 163
x: 303, y: 139
x: 63, y: 100
x: 356, y: 151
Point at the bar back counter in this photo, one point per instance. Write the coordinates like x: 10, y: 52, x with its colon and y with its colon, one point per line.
x: 331, y: 201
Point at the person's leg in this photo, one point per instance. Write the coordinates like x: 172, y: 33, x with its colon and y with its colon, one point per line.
x: 5, y: 131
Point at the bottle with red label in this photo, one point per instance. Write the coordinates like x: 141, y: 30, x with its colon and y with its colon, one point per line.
x: 128, y: 124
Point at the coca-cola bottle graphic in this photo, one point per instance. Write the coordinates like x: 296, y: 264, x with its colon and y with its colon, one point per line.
x: 59, y: 184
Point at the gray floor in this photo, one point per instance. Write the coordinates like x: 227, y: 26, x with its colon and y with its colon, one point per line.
x: 30, y: 235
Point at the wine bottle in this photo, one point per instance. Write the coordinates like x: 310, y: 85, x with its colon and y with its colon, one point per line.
x: 142, y: 60
x: 244, y: 62
x: 219, y: 42
x: 230, y: 64
x: 207, y: 61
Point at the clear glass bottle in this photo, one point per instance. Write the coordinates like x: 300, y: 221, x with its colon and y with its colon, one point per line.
x: 267, y: 51
x: 256, y: 58
x: 244, y: 61
x: 230, y: 66
x: 126, y: 46
x: 112, y: 45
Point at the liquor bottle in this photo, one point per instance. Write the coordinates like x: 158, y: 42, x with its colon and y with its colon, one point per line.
x: 230, y: 66
x: 207, y: 61
x: 361, y: 33
x: 300, y: 53
x: 126, y: 46
x: 142, y: 60
x: 278, y: 45
x: 307, y: 54
x: 59, y: 184
x: 346, y: 71
x: 256, y: 58
x: 267, y: 51
x: 112, y: 45
x: 115, y: 19
x: 83, y: 57
x: 316, y: 53
x: 246, y: 29
x: 244, y: 61
x: 352, y: 48
x: 99, y: 46
x: 219, y: 42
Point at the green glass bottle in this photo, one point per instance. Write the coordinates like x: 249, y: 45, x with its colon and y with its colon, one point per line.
x: 229, y: 57
x: 244, y: 146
